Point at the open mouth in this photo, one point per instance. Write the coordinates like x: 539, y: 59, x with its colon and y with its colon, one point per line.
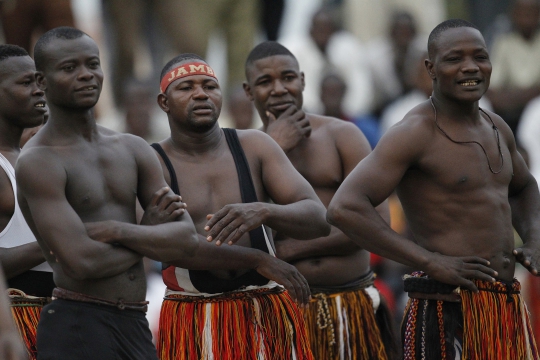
x: 88, y: 88
x: 40, y: 105
x: 469, y: 83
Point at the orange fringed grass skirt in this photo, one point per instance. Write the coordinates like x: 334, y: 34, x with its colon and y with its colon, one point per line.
x: 255, y: 324
x: 492, y: 324
x: 342, y: 325
x: 26, y: 311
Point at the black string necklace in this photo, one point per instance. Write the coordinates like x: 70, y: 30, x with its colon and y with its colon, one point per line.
x: 474, y: 142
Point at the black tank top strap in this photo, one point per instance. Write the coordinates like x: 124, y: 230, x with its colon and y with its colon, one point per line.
x: 203, y: 280
x: 168, y: 164
x: 247, y: 188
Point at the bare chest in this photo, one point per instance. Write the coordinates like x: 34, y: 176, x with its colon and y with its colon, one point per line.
x: 101, y: 181
x: 318, y: 161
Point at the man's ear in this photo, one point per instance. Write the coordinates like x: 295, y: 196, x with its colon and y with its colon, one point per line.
x: 41, y: 81
x: 247, y: 90
x: 429, y: 67
x: 163, y: 102
x: 303, y: 80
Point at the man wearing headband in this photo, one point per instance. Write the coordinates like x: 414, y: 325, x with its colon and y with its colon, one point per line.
x: 78, y: 182
x: 463, y: 185
x: 225, y: 303
x: 324, y: 150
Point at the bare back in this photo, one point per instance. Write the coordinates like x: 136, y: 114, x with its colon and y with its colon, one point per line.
x: 84, y: 181
x: 325, y: 158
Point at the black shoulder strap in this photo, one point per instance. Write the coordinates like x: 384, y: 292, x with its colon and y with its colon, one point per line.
x: 167, y: 161
x: 247, y: 188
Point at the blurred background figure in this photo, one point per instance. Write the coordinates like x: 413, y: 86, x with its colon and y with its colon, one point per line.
x: 515, y: 79
x: 329, y: 47
x: 23, y: 21
x: 11, y: 346
x: 387, y: 57
x: 333, y: 90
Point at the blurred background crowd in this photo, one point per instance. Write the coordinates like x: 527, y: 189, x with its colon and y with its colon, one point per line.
x: 363, y: 62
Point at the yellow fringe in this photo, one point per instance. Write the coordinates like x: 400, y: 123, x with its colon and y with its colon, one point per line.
x: 362, y: 338
x: 259, y: 324
x: 495, y: 328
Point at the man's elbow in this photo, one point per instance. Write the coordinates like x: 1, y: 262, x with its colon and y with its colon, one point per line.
x: 335, y: 215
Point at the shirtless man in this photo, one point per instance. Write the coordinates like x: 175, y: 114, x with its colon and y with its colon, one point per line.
x: 324, y: 150
x: 74, y: 172
x: 237, y: 184
x: 22, y: 106
x: 462, y: 185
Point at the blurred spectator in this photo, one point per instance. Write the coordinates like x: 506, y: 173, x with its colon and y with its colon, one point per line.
x: 138, y: 102
x: 131, y: 33
x: 329, y: 48
x: 515, y: 79
x: 387, y: 59
x: 190, y: 23
x: 240, y: 109
x: 333, y: 91
x: 271, y: 16
x: 25, y: 20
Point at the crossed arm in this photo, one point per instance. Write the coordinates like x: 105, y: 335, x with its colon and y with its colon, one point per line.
x: 296, y: 212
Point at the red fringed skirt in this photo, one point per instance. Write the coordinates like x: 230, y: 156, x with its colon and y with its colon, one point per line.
x: 255, y: 324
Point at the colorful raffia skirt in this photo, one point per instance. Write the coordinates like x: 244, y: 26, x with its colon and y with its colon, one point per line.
x: 491, y: 324
x: 342, y: 326
x: 26, y: 311
x: 256, y: 324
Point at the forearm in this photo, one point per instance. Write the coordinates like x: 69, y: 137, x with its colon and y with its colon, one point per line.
x: 525, y: 207
x: 164, y: 242
x: 99, y: 261
x: 212, y: 257
x: 361, y: 218
x: 335, y: 244
x: 19, y: 259
x: 302, y: 220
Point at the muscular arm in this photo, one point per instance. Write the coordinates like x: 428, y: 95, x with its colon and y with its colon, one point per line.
x: 41, y: 193
x: 296, y: 212
x: 353, y: 209
x: 166, y: 240
x: 19, y: 259
x: 524, y: 201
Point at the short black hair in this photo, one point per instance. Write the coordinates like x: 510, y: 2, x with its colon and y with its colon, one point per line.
x: 8, y: 50
x: 178, y: 59
x: 442, y: 27
x: 62, y: 32
x: 267, y: 49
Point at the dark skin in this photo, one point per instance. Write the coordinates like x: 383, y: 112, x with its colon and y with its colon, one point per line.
x: 324, y: 150
x: 22, y: 106
x: 88, y: 174
x: 462, y: 217
x: 208, y: 181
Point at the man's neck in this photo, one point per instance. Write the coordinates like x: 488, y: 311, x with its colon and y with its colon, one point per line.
x: 193, y: 142
x: 73, y: 122
x: 10, y: 137
x: 460, y: 111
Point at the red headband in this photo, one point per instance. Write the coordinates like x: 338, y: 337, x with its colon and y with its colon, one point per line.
x: 194, y: 68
